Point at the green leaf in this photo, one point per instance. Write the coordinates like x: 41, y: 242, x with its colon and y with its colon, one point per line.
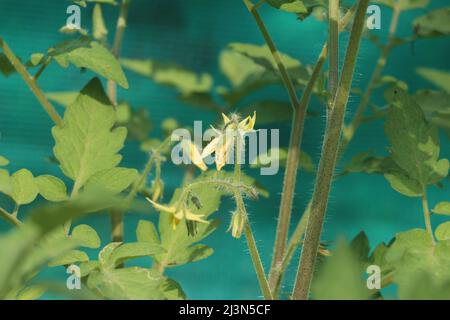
x: 434, y: 23
x: 86, y: 144
x: 180, y: 78
x: 3, y: 161
x: 366, y: 163
x: 413, y: 254
x: 404, y: 184
x: 439, y: 78
x: 85, y: 236
x: 146, y: 232
x: 414, y: 144
x: 5, y: 182
x: 23, y: 187
x: 360, y: 247
x: 340, y: 278
x: 443, y: 231
x: 133, y: 283
x: 64, y: 99
x: 433, y: 102
x: 33, y: 292
x: 442, y: 208
x: 114, y: 180
x: 86, y: 53
x: 404, y: 4
x: 74, y: 256
x: 6, y: 68
x: 129, y: 251
x: 51, y: 188
x: 294, y: 6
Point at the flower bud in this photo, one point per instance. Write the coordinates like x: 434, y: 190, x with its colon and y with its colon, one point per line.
x: 237, y: 224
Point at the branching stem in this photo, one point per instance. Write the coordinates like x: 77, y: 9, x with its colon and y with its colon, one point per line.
x: 328, y: 159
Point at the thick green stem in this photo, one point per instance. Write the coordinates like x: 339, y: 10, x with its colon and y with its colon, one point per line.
x: 31, y: 82
x: 117, y: 45
x: 427, y: 216
x: 350, y: 130
x: 280, y: 264
x: 328, y: 159
x: 290, y: 175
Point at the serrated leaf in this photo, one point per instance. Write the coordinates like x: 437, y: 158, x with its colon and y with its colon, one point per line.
x: 86, y: 53
x: 442, y: 208
x: 51, y: 188
x: 86, y: 144
x: 114, y: 180
x: 434, y: 23
x: 360, y: 247
x: 443, y: 231
x: 146, y: 232
x: 23, y: 187
x: 439, y: 78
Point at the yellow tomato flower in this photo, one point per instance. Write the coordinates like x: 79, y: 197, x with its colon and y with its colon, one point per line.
x: 194, y: 155
x: 178, y: 213
x: 223, y: 144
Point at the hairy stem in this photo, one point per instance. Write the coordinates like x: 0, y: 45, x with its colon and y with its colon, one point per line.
x: 117, y: 45
x: 280, y: 264
x: 427, y: 216
x: 31, y: 82
x: 333, y: 44
x: 290, y: 175
x: 253, y: 249
x: 350, y: 130
x: 328, y: 159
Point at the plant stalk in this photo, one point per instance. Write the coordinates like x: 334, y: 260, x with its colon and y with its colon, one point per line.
x: 328, y: 159
x: 279, y: 266
x: 427, y: 216
x: 253, y: 249
x: 30, y: 81
x: 333, y: 45
x: 117, y: 45
x: 116, y: 216
x: 10, y: 218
